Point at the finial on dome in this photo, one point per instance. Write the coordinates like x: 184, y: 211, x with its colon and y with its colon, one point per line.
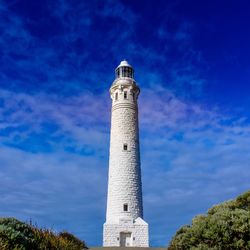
x: 124, y: 63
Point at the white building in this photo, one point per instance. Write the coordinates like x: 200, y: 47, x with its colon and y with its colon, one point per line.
x: 124, y: 224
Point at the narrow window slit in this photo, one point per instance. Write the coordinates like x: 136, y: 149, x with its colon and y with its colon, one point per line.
x: 125, y: 207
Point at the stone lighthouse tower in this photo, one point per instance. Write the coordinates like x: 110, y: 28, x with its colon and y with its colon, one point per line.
x: 124, y: 224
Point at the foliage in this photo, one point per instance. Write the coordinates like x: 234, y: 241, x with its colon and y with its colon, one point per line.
x: 16, y: 235
x: 226, y: 226
x: 74, y: 242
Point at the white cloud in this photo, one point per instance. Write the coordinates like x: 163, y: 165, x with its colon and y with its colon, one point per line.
x: 74, y: 117
x: 192, y: 158
x: 58, y: 190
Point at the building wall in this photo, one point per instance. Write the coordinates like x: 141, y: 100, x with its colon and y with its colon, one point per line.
x: 124, y: 185
x: 139, y: 234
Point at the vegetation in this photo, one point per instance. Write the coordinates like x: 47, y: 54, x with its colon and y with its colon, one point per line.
x: 225, y: 227
x: 16, y: 235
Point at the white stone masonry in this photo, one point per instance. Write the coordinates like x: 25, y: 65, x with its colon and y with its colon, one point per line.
x: 124, y: 225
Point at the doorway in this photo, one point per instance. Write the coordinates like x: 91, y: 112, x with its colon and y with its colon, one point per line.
x: 125, y: 239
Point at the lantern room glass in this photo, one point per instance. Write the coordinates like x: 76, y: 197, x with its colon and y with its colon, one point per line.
x: 124, y: 72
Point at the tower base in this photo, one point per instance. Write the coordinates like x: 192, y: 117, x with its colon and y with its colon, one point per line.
x: 126, y: 233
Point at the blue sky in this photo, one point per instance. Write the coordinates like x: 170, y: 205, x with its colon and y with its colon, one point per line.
x: 57, y: 61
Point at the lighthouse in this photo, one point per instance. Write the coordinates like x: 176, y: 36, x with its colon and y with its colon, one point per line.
x: 124, y: 224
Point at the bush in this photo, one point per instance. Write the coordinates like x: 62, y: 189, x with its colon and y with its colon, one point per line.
x: 74, y: 242
x: 226, y: 226
x: 16, y: 235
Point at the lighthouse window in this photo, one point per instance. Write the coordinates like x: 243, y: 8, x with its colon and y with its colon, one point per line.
x: 125, y: 147
x: 116, y: 96
x: 125, y: 95
x: 126, y: 72
x: 125, y: 207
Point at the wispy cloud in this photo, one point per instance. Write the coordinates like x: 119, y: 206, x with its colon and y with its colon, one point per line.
x: 63, y: 61
x: 23, y: 116
x: 55, y: 118
x: 189, y: 153
x: 53, y: 190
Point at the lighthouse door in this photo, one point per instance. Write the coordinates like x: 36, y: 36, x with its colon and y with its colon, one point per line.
x: 125, y: 239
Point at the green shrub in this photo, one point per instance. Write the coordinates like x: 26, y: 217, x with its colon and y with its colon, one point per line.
x: 72, y: 240
x: 226, y: 226
x: 16, y: 235
x: 47, y: 239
